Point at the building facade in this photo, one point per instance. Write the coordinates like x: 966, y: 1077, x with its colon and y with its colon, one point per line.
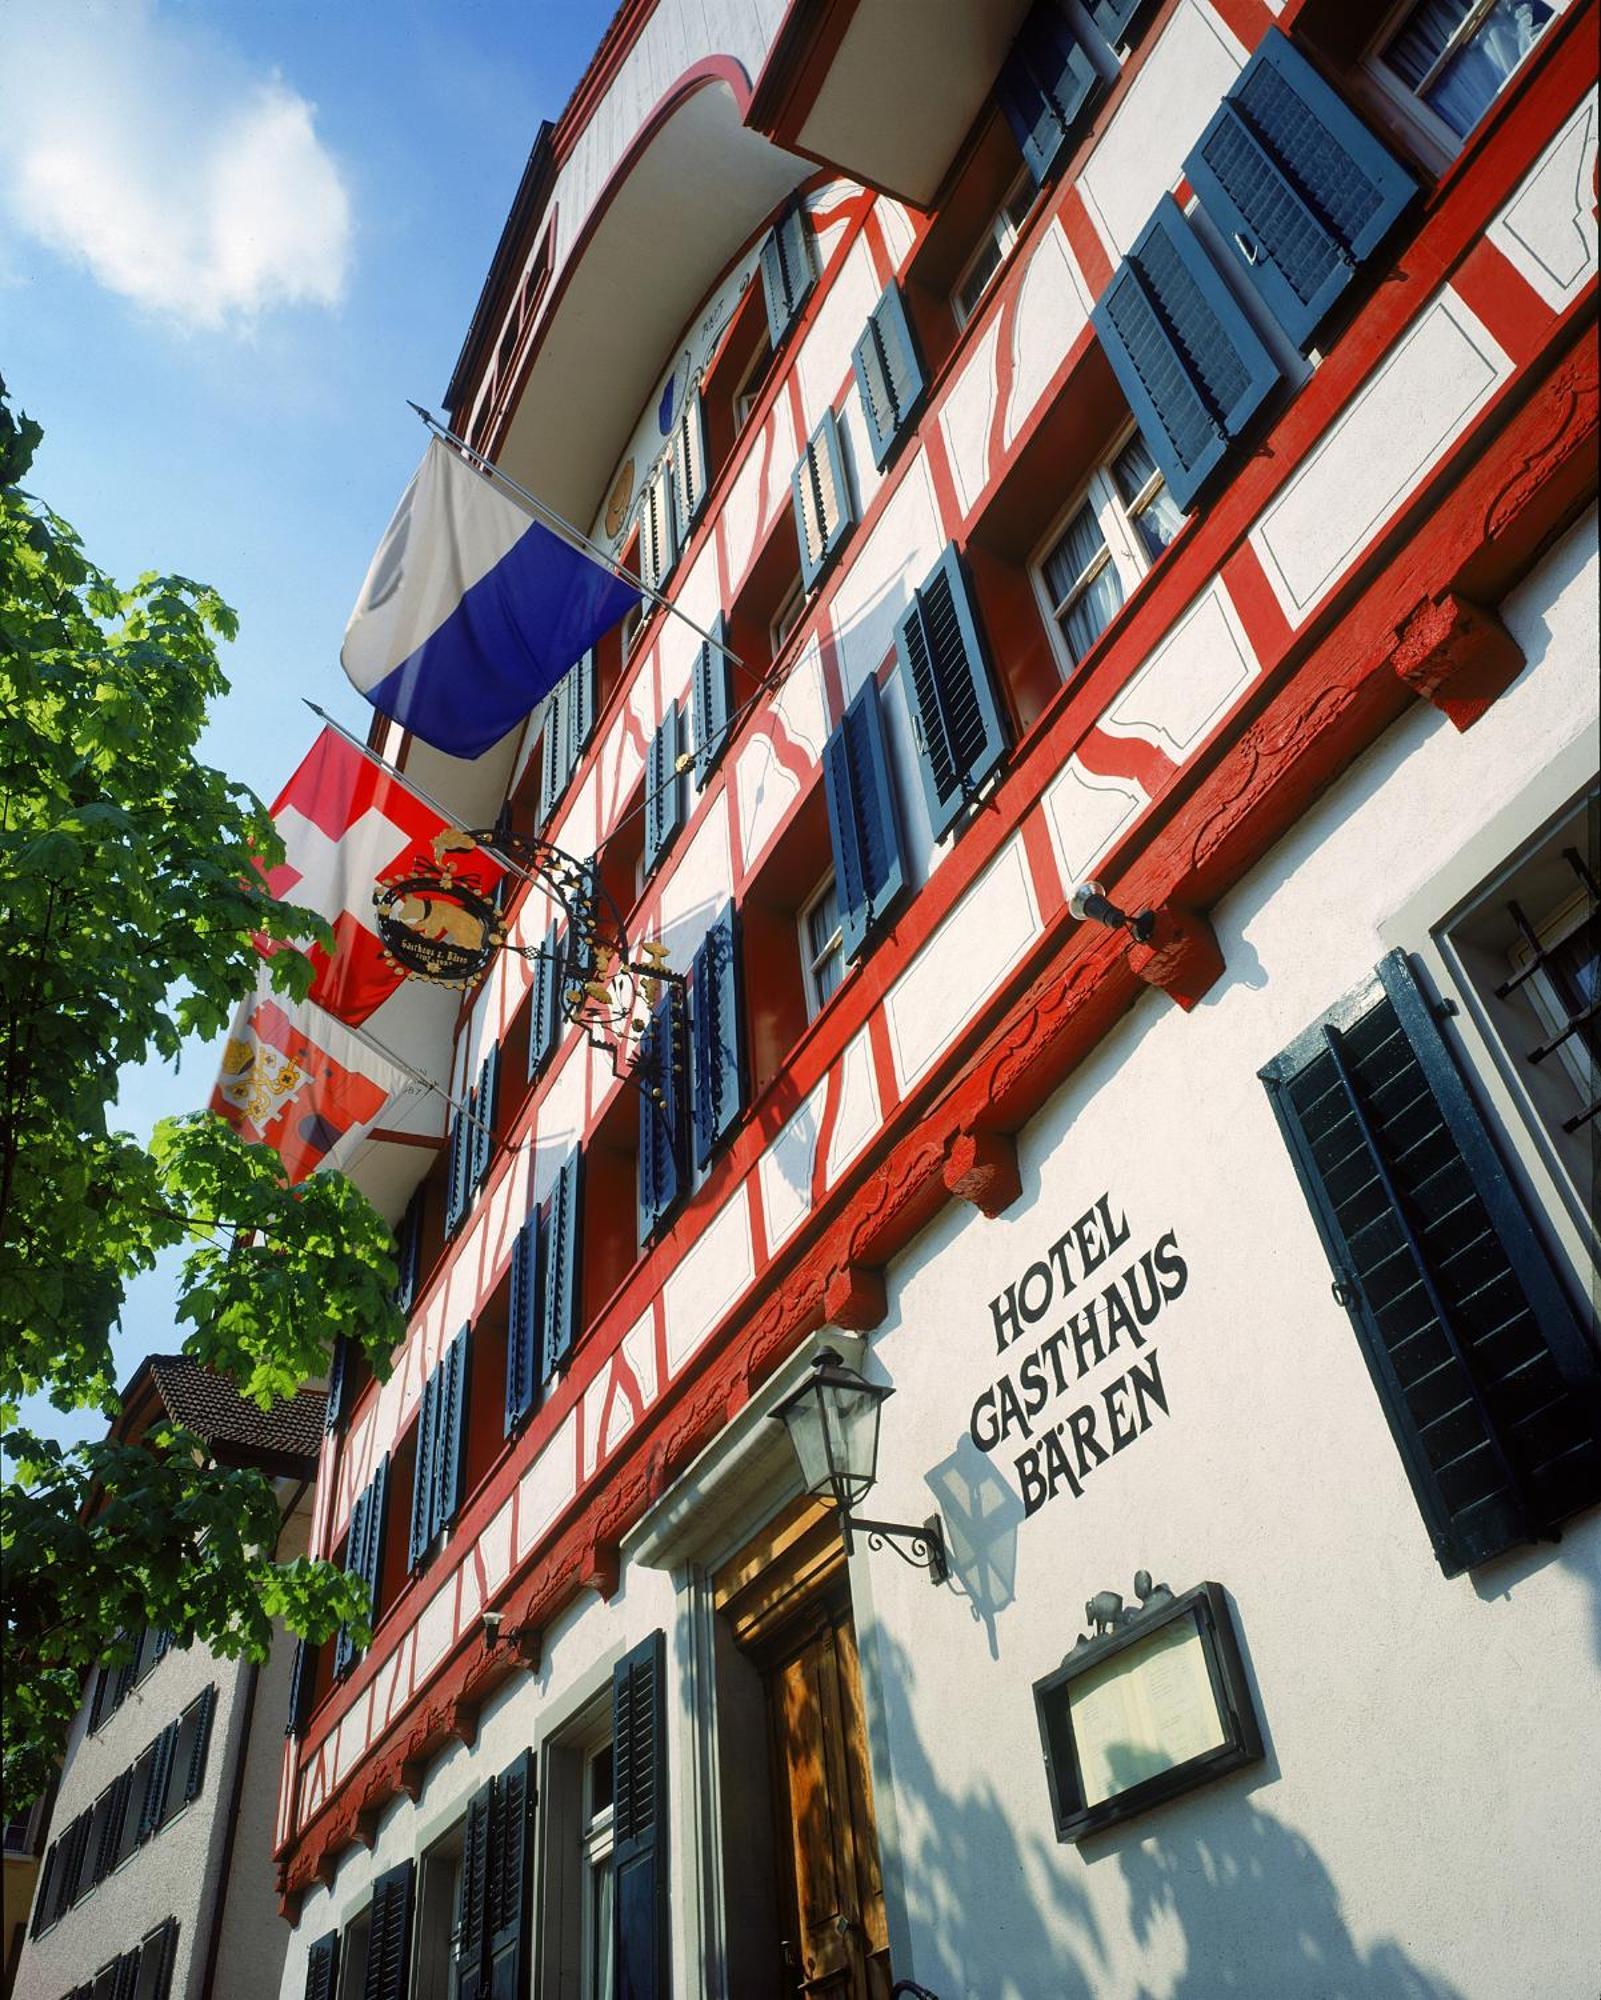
x: 1142, y: 445
x: 156, y: 1876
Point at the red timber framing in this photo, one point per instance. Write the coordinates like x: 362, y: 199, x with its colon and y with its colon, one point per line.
x: 1411, y: 619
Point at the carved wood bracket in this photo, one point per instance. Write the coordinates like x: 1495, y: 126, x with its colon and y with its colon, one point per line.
x: 1456, y: 655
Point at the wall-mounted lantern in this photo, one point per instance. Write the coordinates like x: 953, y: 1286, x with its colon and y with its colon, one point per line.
x: 832, y: 1421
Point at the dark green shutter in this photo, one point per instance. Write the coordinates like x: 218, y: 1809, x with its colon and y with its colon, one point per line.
x: 98, y: 1700
x: 105, y: 1857
x: 422, y: 1479
x: 821, y: 495
x: 889, y: 372
x: 1192, y: 366
x: 1488, y: 1381
x: 472, y: 1941
x: 511, y: 1880
x: 711, y: 701
x: 456, y: 1169
x: 389, y: 1943
x: 522, y: 1330
x: 1298, y: 184
x: 639, y: 1823
x: 41, y: 1895
x: 869, y: 870
x: 485, y: 1101
x: 664, y: 788
x: 661, y: 1057
x: 716, y: 1063
x: 195, y: 1776
x: 560, y: 1258
x: 322, y: 1968
x: 338, y: 1370
x: 162, y: 1946
x: 956, y: 719
x: 153, y: 1805
x: 163, y: 1643
x: 787, y: 274
x: 449, y: 1459
x: 1044, y: 84
x: 408, y: 1257
x: 543, y: 995
x: 689, y: 464
x: 125, y: 1981
x: 301, y: 1679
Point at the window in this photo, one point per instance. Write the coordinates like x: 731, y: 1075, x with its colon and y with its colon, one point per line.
x: 439, y: 1920
x: 789, y: 615
x: 1004, y: 228
x: 663, y: 1109
x: 595, y: 1853
x: 716, y: 1040
x: 1123, y: 523
x: 633, y: 619
x: 1045, y: 83
x: 752, y: 382
x: 711, y: 702
x: 191, y: 1744
x: 822, y: 948
x: 664, y: 787
x: 1453, y: 57
x: 1484, y: 1371
x: 384, y: 1952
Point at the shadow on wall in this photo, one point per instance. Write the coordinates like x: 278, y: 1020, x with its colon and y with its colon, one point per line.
x: 980, y: 1513
x: 1219, y: 1897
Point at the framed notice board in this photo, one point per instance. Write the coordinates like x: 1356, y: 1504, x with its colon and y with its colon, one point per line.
x: 1145, y: 1712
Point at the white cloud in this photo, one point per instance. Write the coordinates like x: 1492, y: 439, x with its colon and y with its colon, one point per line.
x: 151, y: 152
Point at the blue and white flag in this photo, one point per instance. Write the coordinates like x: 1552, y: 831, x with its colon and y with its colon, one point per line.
x: 472, y: 610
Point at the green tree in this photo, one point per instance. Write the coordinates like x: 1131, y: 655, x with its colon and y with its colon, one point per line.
x: 131, y: 902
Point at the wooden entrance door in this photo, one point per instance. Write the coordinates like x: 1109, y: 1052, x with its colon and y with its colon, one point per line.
x: 792, y: 1615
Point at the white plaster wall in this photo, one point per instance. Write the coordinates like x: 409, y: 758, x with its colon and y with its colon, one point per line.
x: 1424, y: 1824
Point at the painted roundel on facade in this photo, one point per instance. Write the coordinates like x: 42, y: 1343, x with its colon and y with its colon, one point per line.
x: 673, y: 394
x: 617, y: 500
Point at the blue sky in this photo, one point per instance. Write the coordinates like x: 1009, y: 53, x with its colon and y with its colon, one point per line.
x: 235, y: 237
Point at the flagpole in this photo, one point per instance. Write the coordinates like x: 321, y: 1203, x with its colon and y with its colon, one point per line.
x: 428, y: 1083
x: 592, y: 548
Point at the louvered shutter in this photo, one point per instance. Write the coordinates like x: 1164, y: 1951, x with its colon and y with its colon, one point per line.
x: 195, y: 1776
x: 322, y: 1968
x: 1193, y: 368
x: 472, y: 1941
x: 1113, y: 17
x: 717, y: 1069
x: 658, y: 525
x: 580, y: 709
x: 153, y: 1805
x: 542, y: 997
x: 486, y: 1104
x: 661, y: 1117
x: 421, y: 1536
x: 456, y: 1171
x: 127, y: 1673
x: 822, y: 499
x: 1044, y: 84
x: 338, y: 1366
x: 787, y: 274
x: 522, y: 1331
x: 956, y: 719
x: 869, y: 870
x: 511, y: 1880
x: 560, y: 1257
x: 370, y: 1554
x: 889, y: 372
x: 389, y: 1942
x: 125, y: 1981
x: 302, y: 1677
x: 449, y: 1458
x: 689, y: 464
x: 639, y: 1822
x: 408, y: 1259
x: 711, y: 702
x: 664, y: 788
x: 355, y: 1558
x: 1293, y: 177
x: 554, y: 748
x: 163, y: 1643
x: 105, y: 1857
x: 1488, y: 1381
x: 164, y: 1946
x: 79, y: 1873
x: 41, y: 1895
x: 104, y: 1677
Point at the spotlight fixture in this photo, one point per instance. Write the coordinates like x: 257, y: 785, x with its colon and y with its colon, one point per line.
x: 1090, y: 903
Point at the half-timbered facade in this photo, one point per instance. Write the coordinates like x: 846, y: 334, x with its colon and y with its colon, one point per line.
x: 1149, y: 444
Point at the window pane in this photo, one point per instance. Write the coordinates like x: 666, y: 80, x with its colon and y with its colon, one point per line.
x: 1466, y: 87
x: 827, y: 973
x: 1082, y: 541
x: 1093, y: 611
x: 972, y: 287
x: 600, y: 1948
x: 822, y: 921
x: 1424, y: 36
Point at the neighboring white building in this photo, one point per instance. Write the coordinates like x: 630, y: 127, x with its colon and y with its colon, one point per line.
x: 156, y: 1883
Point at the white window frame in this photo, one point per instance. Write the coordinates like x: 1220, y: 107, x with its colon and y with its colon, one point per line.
x: 1002, y: 234
x: 811, y: 959
x: 433, y: 1978
x: 573, y: 1839
x: 1124, y: 546
x: 789, y: 614
x: 747, y: 394
x: 355, y: 1945
x: 1437, y: 142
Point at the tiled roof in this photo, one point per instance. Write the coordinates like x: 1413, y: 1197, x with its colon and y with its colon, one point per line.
x: 209, y: 1404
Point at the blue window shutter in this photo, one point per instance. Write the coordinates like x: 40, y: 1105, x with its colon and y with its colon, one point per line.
x: 580, y: 708
x: 689, y: 464
x: 472, y: 1936
x: 522, y: 1332
x: 389, y: 1941
x: 449, y: 1459
x: 373, y: 1550
x: 716, y: 1063
x: 338, y: 1373
x: 661, y: 1114
x: 511, y: 1880
x: 486, y: 1101
x: 710, y: 704
x: 560, y: 1248
x: 1484, y: 1371
x: 1192, y: 366
x: 1293, y: 177
x: 787, y: 274
x: 889, y: 372
x: 322, y: 1968
x: 544, y: 998
x: 456, y: 1168
x: 408, y: 1245
x: 1044, y: 84
x: 658, y: 525
x: 869, y: 869
x: 554, y: 764
x: 355, y: 1537
x: 664, y: 788
x: 822, y: 498
x: 301, y: 1677
x: 960, y: 736
x: 1113, y: 17
x: 422, y: 1481
x: 639, y: 1822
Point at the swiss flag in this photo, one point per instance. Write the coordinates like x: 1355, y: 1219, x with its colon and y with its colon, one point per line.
x: 347, y: 825
x: 298, y: 1082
